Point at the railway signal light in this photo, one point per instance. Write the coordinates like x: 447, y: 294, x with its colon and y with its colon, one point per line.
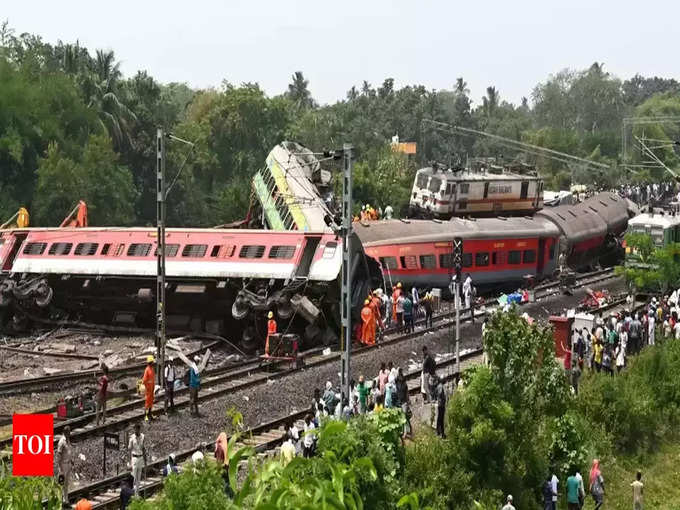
x: 458, y: 256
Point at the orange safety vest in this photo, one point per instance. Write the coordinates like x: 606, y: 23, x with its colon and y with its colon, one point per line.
x: 375, y: 306
x: 149, y: 381
x: 271, y: 329
x: 368, y: 325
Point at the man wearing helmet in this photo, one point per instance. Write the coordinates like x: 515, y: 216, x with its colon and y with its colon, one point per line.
x: 368, y: 324
x: 149, y: 382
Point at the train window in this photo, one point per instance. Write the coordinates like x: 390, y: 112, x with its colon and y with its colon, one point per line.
x: 170, y: 250
x: 409, y: 262
x: 119, y: 250
x: 421, y: 180
x: 435, y: 184
x: 449, y: 188
x: 499, y: 258
x: 253, y: 251
x: 281, y: 252
x: 106, y: 248
x: 35, y: 248
x: 552, y: 252
x: 139, y: 249
x: 86, y: 249
x: 388, y: 262
x: 60, y: 248
x: 482, y: 258
x: 445, y: 260
x: 514, y: 257
x: 467, y: 259
x: 329, y: 250
x: 464, y: 187
x: 428, y: 262
x: 194, y: 250
x: 462, y: 204
x: 529, y: 256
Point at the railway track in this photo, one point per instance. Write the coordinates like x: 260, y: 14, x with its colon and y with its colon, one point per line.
x: 263, y: 438
x: 219, y: 382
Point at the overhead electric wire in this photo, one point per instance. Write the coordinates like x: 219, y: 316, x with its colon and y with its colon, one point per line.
x: 527, y: 147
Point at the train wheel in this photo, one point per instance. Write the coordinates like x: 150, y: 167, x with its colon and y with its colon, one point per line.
x: 249, y: 341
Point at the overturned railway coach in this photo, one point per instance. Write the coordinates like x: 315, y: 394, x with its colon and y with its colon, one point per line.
x: 218, y: 280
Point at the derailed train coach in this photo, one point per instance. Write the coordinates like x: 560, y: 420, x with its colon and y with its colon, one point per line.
x: 501, y: 250
x: 223, y: 281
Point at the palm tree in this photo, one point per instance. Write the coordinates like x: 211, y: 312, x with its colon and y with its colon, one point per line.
x: 298, y: 92
x: 100, y: 86
x: 490, y: 101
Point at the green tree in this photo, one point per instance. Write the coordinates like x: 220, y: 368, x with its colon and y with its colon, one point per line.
x: 96, y: 177
x: 298, y: 92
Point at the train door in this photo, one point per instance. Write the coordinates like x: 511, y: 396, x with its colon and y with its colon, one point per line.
x: 311, y: 243
x: 524, y: 190
x: 540, y: 261
x: 486, y: 190
x: 12, y: 250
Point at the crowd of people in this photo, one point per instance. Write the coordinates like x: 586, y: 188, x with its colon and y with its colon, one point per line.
x: 649, y: 192
x: 606, y: 346
x: 369, y: 213
x: 398, y: 310
x: 576, y: 489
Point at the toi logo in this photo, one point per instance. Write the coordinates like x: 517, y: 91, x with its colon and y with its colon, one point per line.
x: 32, y: 448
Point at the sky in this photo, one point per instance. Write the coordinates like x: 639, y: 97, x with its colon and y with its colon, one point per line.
x: 511, y: 45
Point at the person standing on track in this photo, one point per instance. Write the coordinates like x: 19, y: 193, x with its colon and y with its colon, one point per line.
x: 408, y: 314
x: 271, y: 330
x: 149, y: 382
x: 396, y: 293
x: 428, y: 305
x: 428, y: 370
x: 367, y: 324
x: 64, y: 461
x: 137, y: 456
x: 376, y: 305
x: 102, y: 395
x: 194, y: 386
x: 169, y: 377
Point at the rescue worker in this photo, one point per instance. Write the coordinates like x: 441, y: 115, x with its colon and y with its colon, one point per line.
x: 271, y: 329
x: 137, y: 456
x: 368, y: 324
x: 395, y: 297
x: 64, y: 461
x: 83, y: 504
x: 149, y: 382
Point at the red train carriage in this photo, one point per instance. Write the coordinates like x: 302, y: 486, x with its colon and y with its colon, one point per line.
x: 498, y: 250
x: 220, y: 280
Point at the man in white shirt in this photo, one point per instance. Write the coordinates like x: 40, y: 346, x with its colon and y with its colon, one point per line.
x: 508, y: 505
x: 64, y: 461
x: 651, y: 329
x: 554, y: 481
x: 170, y: 376
x: 137, y: 456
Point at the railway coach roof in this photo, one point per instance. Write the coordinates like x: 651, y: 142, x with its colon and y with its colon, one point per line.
x: 467, y: 175
x: 378, y: 233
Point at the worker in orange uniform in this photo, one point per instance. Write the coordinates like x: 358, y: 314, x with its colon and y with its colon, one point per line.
x: 83, y: 504
x: 149, y: 382
x: 395, y: 296
x: 271, y: 329
x: 368, y: 324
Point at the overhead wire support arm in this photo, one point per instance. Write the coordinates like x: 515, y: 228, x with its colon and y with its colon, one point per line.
x: 535, y: 149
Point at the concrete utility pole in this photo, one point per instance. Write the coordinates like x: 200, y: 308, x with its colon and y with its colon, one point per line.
x: 346, y: 335
x: 161, y: 193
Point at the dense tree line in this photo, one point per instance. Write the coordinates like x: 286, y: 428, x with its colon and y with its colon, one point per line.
x: 72, y: 127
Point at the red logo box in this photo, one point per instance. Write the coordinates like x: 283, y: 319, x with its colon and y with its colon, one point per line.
x: 33, y: 445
